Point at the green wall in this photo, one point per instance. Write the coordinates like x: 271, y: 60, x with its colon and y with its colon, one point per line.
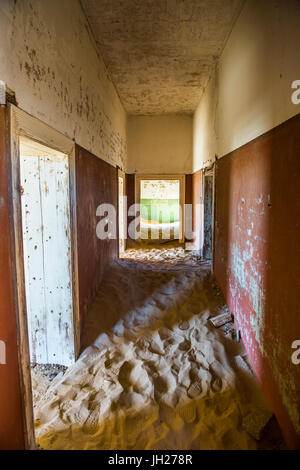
x: 160, y: 210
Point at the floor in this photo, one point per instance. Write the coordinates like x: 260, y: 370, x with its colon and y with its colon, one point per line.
x: 154, y: 373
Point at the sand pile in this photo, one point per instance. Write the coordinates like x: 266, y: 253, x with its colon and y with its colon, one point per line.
x: 155, y: 374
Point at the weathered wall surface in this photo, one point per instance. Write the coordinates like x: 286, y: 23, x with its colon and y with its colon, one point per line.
x: 11, y: 421
x: 250, y: 92
x: 257, y: 260
x: 257, y: 203
x: 256, y: 70
x: 160, y: 144
x: 48, y: 58
x: 96, y: 183
x: 204, y: 127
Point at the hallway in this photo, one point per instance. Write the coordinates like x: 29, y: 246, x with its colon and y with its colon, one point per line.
x: 156, y: 375
x: 149, y: 181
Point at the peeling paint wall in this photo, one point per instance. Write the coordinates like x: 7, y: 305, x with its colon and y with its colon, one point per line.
x: 49, y: 59
x: 257, y: 260
x: 160, y: 144
x: 257, y: 191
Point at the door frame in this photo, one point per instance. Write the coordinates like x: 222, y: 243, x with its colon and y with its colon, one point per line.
x: 181, y: 178
x: 121, y: 174
x: 210, y: 171
x: 23, y: 124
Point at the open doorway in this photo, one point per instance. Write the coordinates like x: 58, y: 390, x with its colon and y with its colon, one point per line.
x: 208, y: 191
x: 121, y: 211
x: 161, y: 199
x: 45, y: 255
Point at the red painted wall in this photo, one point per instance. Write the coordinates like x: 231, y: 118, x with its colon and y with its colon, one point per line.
x: 257, y: 260
x: 96, y: 183
x: 11, y: 418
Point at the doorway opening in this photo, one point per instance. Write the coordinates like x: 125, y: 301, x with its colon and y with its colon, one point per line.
x: 208, y: 191
x: 47, y: 257
x: 121, y: 211
x: 161, y: 200
x: 44, y: 256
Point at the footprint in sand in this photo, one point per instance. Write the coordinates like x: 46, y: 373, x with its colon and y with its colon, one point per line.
x: 195, y: 389
x: 184, y: 325
x: 124, y: 375
x: 188, y: 412
x: 196, y: 335
x: 170, y: 345
x: 134, y: 378
x: 135, y: 425
x: 216, y: 381
x: 116, y: 358
x: 156, y: 348
x: 185, y: 345
x: 94, y: 406
x: 160, y: 385
x: 112, y: 364
x: 77, y: 415
x: 164, y: 333
x: 142, y: 349
x: 151, y: 369
x: 169, y: 342
x: 91, y: 425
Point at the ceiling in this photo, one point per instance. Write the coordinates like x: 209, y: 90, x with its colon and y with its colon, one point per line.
x: 160, y: 53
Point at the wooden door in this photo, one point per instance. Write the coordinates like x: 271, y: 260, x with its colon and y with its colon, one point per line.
x: 47, y: 253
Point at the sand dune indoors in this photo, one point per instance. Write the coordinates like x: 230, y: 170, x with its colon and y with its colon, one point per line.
x: 154, y: 374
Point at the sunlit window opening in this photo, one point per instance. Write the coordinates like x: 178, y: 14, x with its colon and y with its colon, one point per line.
x: 160, y: 209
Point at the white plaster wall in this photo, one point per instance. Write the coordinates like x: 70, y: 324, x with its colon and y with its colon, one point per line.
x: 48, y: 58
x: 256, y: 69
x: 160, y: 144
x: 204, y: 127
x: 258, y: 65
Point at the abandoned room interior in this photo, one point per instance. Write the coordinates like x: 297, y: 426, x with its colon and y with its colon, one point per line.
x: 150, y: 224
